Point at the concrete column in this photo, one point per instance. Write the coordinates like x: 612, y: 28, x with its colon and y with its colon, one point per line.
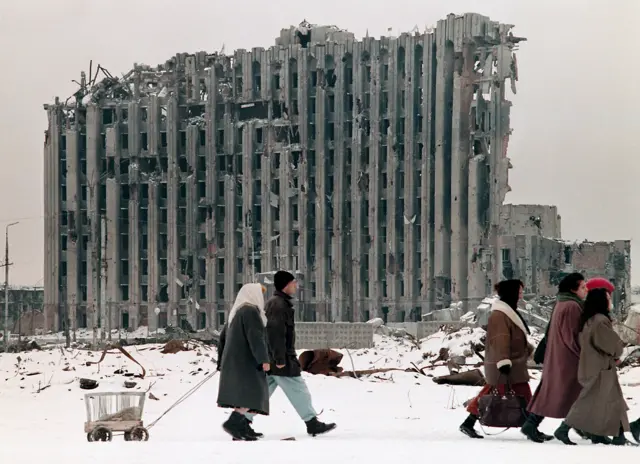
x: 268, y: 198
x: 304, y: 246
x: 153, y: 258
x: 444, y: 96
x: 74, y: 232
x: 52, y: 222
x: 461, y: 147
x: 340, y: 310
x: 427, y: 173
x: 94, y: 148
x: 247, y: 75
x: 375, y: 294
x: 230, y: 254
x: 192, y: 222
x: 285, y: 249
x: 358, y: 189
x: 153, y: 126
x: 412, y: 85
x: 173, y: 186
x: 211, y: 197
x: 113, y: 249
x: 249, y: 215
x: 392, y: 245
x: 135, y: 233
x: 230, y: 215
x: 322, y: 236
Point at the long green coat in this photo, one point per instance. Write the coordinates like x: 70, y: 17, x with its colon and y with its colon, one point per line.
x: 243, y: 383
x: 600, y: 409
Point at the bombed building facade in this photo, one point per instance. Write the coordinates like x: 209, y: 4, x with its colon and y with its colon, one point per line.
x: 532, y: 250
x: 376, y: 169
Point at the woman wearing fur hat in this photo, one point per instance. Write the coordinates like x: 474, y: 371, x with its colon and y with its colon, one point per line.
x: 506, y: 353
x: 244, y: 361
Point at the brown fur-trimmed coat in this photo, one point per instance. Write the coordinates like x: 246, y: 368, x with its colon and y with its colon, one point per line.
x: 506, y: 344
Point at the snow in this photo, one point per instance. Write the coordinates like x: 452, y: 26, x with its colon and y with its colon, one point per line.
x: 394, y: 416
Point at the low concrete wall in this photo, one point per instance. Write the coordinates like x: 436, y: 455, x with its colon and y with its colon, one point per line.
x: 336, y: 335
x: 424, y: 329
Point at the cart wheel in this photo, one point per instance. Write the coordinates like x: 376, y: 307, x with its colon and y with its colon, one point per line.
x: 90, y: 437
x: 137, y: 434
x: 101, y: 434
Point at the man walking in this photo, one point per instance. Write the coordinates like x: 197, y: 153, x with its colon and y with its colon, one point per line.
x: 285, y: 369
x: 559, y: 387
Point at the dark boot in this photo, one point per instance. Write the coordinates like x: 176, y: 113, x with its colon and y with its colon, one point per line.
x: 621, y: 440
x: 635, y: 430
x: 530, y: 428
x: 562, y: 434
x: 467, y: 427
x: 315, y: 427
x: 599, y: 440
x: 236, y: 426
x: 251, y: 432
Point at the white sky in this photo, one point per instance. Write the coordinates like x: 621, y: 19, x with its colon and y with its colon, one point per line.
x: 575, y: 117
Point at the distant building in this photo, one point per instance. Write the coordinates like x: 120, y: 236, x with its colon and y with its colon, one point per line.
x: 21, y: 300
x: 533, y: 250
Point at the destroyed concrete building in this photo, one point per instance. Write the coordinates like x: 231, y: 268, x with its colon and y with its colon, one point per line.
x: 374, y: 168
x: 532, y: 249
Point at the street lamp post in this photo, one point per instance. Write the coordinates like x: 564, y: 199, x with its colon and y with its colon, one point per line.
x: 6, y: 287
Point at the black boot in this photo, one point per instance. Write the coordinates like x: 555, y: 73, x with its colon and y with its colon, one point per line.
x: 467, y: 427
x: 530, y: 428
x: 635, y: 430
x: 252, y: 432
x: 562, y: 434
x: 315, y: 427
x: 621, y: 440
x: 599, y: 439
x: 236, y: 426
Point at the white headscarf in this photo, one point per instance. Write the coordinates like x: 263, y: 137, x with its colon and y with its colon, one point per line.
x: 250, y: 294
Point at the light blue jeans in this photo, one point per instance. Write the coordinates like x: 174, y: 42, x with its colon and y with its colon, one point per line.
x: 295, y: 388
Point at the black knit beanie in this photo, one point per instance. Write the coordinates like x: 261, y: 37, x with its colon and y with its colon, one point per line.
x: 281, y: 279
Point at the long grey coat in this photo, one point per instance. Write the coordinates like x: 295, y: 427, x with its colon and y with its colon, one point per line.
x: 600, y: 408
x: 243, y: 383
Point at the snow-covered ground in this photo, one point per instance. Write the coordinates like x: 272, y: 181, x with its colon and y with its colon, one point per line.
x: 388, y: 417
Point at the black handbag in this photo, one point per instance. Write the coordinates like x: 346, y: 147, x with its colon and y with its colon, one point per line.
x: 496, y: 410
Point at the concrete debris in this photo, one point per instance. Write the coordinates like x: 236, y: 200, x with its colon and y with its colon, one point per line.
x: 472, y: 378
x: 629, y: 329
x: 173, y: 347
x: 88, y: 384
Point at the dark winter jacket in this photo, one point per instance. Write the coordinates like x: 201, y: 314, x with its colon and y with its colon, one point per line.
x: 243, y: 383
x: 281, y: 330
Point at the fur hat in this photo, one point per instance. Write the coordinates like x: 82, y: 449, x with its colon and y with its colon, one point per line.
x: 281, y: 279
x: 600, y: 282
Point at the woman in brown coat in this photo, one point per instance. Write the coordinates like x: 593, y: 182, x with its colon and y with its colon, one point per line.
x: 600, y: 410
x: 506, y: 352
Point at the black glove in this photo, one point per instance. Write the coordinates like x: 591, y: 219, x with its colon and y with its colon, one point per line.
x: 506, y: 370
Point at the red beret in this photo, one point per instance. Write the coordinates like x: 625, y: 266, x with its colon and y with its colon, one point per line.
x: 600, y: 282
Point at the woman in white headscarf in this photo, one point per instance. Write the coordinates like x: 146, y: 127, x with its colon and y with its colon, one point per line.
x: 243, y: 362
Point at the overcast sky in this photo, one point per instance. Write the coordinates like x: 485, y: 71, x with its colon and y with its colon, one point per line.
x: 575, y: 119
